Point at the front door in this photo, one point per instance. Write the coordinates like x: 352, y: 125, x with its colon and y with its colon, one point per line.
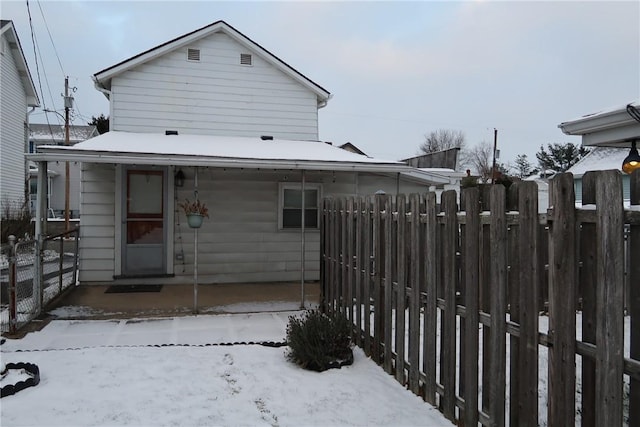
x: 144, y: 222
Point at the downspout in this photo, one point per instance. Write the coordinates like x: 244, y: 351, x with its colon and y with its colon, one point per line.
x: 302, y: 243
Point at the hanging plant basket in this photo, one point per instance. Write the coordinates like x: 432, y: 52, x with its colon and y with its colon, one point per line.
x: 195, y: 212
x: 195, y: 220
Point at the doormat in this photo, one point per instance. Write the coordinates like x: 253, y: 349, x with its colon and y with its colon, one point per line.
x: 126, y: 289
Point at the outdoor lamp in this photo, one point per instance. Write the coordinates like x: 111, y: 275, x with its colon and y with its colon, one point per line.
x: 179, y: 178
x: 632, y: 161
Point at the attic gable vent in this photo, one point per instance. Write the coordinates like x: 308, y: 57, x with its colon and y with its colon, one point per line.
x: 245, y: 59
x: 193, y: 54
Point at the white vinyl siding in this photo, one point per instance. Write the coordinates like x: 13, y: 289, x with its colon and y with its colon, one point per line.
x: 97, y: 229
x: 241, y: 241
x: 13, y: 105
x: 215, y: 96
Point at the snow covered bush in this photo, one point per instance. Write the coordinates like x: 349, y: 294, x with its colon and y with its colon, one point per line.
x: 318, y: 341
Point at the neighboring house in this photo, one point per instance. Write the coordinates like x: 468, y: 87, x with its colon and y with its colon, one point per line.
x: 46, y: 134
x: 614, y: 128
x: 241, y: 127
x: 447, y: 159
x: 601, y: 158
x: 17, y: 94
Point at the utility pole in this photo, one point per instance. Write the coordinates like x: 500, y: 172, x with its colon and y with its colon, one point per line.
x: 68, y: 104
x: 495, y: 148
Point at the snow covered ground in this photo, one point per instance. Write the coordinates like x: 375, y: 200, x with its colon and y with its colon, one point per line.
x: 117, y: 373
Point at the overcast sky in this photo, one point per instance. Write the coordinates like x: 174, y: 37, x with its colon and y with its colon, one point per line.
x: 396, y: 70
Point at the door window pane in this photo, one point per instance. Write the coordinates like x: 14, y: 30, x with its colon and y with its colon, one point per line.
x: 144, y: 232
x: 144, y: 194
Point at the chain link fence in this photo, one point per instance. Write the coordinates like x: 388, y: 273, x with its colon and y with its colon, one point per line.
x: 32, y: 274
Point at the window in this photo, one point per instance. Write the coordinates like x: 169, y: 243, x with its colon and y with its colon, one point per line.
x: 290, y: 213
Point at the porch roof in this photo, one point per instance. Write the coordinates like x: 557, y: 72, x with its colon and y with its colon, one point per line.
x: 611, y: 127
x: 222, y: 151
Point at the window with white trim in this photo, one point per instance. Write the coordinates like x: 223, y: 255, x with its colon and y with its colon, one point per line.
x: 290, y: 206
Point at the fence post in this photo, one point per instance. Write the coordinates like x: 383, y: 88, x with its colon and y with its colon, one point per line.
x: 13, y: 321
x: 634, y: 306
x: 562, y: 319
x: 609, y: 298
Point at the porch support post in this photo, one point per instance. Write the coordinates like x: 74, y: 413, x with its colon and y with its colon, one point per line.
x: 302, y: 242
x: 195, y: 250
x: 40, y: 231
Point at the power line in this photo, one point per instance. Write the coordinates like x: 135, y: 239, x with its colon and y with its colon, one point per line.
x: 51, y: 38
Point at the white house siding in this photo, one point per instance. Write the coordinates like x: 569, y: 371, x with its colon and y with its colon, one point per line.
x: 97, y: 230
x: 214, y: 96
x: 241, y: 241
x: 13, y: 104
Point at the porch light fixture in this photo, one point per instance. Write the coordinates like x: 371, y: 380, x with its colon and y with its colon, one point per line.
x: 632, y: 161
x: 178, y: 178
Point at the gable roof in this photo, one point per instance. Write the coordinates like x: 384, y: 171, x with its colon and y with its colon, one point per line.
x: 103, y: 78
x: 8, y: 30
x: 610, y: 127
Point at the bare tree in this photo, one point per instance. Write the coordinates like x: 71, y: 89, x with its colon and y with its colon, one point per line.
x: 443, y: 139
x: 480, y: 158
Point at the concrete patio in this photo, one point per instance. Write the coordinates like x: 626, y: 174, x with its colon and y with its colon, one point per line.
x: 91, y: 301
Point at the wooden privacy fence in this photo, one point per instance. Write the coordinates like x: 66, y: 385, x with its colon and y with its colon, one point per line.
x: 449, y: 300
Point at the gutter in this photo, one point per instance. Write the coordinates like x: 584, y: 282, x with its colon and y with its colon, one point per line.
x: 147, y: 159
x: 100, y: 88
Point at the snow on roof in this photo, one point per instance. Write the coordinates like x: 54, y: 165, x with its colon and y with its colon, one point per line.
x: 600, y: 158
x: 216, y: 151
x: 42, y: 132
x: 605, y: 111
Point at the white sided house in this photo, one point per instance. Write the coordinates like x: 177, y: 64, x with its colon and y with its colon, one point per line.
x: 214, y: 116
x: 17, y: 94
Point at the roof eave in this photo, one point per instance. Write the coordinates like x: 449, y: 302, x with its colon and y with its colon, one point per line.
x: 21, y: 64
x: 55, y: 153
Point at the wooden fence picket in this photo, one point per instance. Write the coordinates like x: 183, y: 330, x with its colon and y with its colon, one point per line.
x: 634, y: 305
x: 367, y: 282
x: 448, y: 348
x: 471, y: 301
x: 414, y: 284
x: 587, y: 281
x: 527, y: 366
x: 609, y: 298
x: 400, y: 305
x: 430, y: 302
x: 562, y: 318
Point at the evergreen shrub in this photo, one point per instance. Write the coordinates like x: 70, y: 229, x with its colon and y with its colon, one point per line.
x: 318, y: 341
